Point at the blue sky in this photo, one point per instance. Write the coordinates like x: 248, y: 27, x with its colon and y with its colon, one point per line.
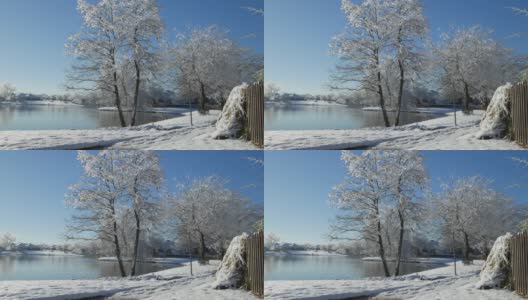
x: 33, y: 185
x: 297, y: 184
x: 33, y: 34
x: 297, y: 34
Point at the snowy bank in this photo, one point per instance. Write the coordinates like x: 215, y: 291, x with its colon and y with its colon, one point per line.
x: 495, y: 121
x: 303, y: 253
x: 435, y: 134
x: 171, y: 134
x: 39, y: 253
x: 497, y: 268
x: 306, y: 103
x: 422, y: 110
x: 42, y: 103
x: 164, y: 110
x: 174, y: 283
x: 417, y: 260
x: 231, y: 121
x: 437, y: 283
x: 154, y: 260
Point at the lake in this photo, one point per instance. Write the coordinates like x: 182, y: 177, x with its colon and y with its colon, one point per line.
x: 52, y: 117
x: 313, y: 117
x: 36, y: 267
x: 296, y: 267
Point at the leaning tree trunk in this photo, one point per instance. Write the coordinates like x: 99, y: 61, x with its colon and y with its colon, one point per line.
x: 116, y: 93
x: 400, y: 244
x: 400, y: 93
x: 467, y: 99
x: 136, y: 244
x: 136, y: 93
x: 382, y: 102
x: 117, y: 247
x: 382, y: 251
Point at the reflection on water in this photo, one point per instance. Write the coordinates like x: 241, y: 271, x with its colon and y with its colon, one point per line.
x: 306, y: 117
x: 42, y: 117
x: 329, y: 268
x: 33, y: 267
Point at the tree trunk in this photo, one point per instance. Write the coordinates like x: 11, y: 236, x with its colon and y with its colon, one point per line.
x: 202, y: 248
x: 136, y: 244
x: 382, y: 251
x: 190, y: 111
x: 118, y: 102
x: 203, y: 98
x: 400, y: 93
x: 136, y: 93
x: 467, y: 99
x: 117, y: 248
x: 382, y: 102
x: 466, y: 248
x: 400, y: 244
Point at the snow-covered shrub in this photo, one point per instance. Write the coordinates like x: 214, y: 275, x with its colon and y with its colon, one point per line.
x: 497, y: 267
x: 232, y: 270
x: 231, y: 121
x: 495, y: 121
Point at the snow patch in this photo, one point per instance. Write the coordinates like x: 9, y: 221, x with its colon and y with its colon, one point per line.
x: 231, y: 121
x: 232, y: 270
x: 497, y: 267
x: 495, y: 121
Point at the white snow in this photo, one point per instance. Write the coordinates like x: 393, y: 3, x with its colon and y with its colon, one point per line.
x: 169, y: 284
x: 306, y: 102
x: 171, y: 134
x: 304, y: 253
x: 42, y: 102
x: 495, y: 121
x: 421, y: 110
x: 435, y: 134
x: 230, y: 121
x: 231, y: 272
x: 165, y: 110
x: 40, y: 253
x: 418, y: 260
x: 497, y: 267
x: 158, y: 260
x: 437, y: 283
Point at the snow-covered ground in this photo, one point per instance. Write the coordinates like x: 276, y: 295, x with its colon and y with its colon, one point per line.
x: 433, y: 284
x: 435, y: 134
x: 422, y: 110
x: 159, y: 260
x: 306, y: 102
x: 165, y: 110
x: 171, y: 134
x: 303, y: 253
x: 40, y: 253
x: 174, y: 283
x: 418, y: 260
x: 42, y: 102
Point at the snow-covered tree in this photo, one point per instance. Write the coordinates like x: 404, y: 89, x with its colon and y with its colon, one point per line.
x: 7, y: 242
x: 466, y: 207
x: 378, y: 195
x: 7, y: 92
x: 473, y: 65
x: 379, y: 48
x: 97, y: 199
x: 210, y: 214
x: 272, y: 242
x: 97, y: 50
x: 208, y: 64
x: 272, y: 91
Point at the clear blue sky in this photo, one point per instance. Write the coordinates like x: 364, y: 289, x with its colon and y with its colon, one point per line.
x: 33, y: 34
x: 298, y: 32
x: 33, y: 185
x: 297, y: 184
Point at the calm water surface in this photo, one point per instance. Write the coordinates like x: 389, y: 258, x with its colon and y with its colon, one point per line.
x: 33, y: 267
x: 50, y: 117
x: 329, y: 268
x: 312, y: 117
